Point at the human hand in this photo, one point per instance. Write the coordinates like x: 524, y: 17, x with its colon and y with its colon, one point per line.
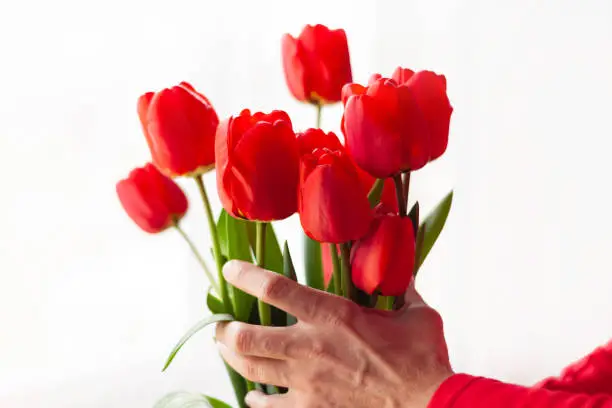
x: 338, y: 354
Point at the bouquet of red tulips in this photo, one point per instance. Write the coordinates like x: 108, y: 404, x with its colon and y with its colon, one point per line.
x: 361, y: 241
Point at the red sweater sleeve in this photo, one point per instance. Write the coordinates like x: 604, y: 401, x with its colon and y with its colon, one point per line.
x: 464, y: 391
x: 591, y: 375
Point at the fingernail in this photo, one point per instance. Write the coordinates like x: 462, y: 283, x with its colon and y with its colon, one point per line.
x: 230, y: 269
x: 252, y: 397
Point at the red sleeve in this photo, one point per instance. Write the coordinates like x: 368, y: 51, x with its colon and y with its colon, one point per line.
x: 591, y: 375
x: 464, y: 391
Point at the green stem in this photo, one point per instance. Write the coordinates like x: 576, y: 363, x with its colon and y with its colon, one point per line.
x: 347, y: 280
x: 319, y: 114
x: 399, y: 192
x: 201, y: 261
x: 406, y: 186
x: 216, y: 247
x: 260, y: 251
x: 390, y: 302
x: 337, y: 269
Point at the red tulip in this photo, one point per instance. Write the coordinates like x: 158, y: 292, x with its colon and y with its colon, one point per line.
x: 332, y: 202
x: 383, y: 260
x: 317, y: 64
x: 151, y: 199
x: 179, y: 124
x: 257, y: 166
x: 429, y: 90
x: 312, y: 139
x: 384, y: 128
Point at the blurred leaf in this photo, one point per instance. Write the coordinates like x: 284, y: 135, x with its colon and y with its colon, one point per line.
x: 313, y: 267
x: 182, y: 399
x: 199, y: 326
x: 215, y: 305
x: 288, y: 268
x: 215, y: 403
x: 430, y: 229
x: 238, y: 247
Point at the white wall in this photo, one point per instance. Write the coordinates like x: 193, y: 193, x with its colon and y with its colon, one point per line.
x: 90, y: 306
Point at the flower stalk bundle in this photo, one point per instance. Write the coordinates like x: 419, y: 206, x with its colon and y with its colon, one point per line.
x: 361, y: 241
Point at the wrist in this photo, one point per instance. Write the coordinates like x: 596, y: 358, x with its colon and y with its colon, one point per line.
x: 429, y: 390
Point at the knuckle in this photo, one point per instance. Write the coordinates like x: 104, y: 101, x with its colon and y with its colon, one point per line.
x: 274, y: 287
x: 243, y: 339
x: 341, y: 314
x: 274, y: 346
x: 252, y: 371
x: 318, y: 350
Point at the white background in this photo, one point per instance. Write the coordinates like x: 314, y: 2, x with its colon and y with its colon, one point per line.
x: 90, y: 305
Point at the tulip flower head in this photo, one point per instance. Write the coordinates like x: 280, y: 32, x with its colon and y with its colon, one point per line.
x: 257, y: 162
x: 317, y: 64
x: 179, y: 124
x: 151, y: 199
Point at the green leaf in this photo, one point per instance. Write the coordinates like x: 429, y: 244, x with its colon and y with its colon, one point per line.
x: 430, y: 229
x: 238, y: 247
x: 215, y: 403
x: 288, y: 271
x: 215, y: 305
x: 199, y: 326
x: 183, y: 399
x: 288, y: 268
x: 376, y: 192
x: 313, y: 267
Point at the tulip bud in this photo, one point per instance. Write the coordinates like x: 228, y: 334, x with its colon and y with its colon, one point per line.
x: 154, y: 201
x: 383, y: 260
x: 332, y: 202
x: 179, y: 124
x: 317, y: 64
x: 257, y: 161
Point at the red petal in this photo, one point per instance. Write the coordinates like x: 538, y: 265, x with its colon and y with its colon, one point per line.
x: 182, y: 129
x: 264, y: 165
x: 402, y: 75
x: 294, y: 68
x: 333, y: 205
x: 384, y: 259
x: 312, y: 139
x: 372, y: 137
x: 429, y: 90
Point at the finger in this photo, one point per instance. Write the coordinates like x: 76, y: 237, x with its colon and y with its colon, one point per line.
x: 305, y: 303
x: 412, y: 297
x: 257, y: 399
x: 272, y: 342
x: 257, y: 369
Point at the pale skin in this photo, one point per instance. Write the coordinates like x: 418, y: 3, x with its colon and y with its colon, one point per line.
x: 338, y: 354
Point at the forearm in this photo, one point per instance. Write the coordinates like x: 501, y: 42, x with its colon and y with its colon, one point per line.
x: 463, y: 391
